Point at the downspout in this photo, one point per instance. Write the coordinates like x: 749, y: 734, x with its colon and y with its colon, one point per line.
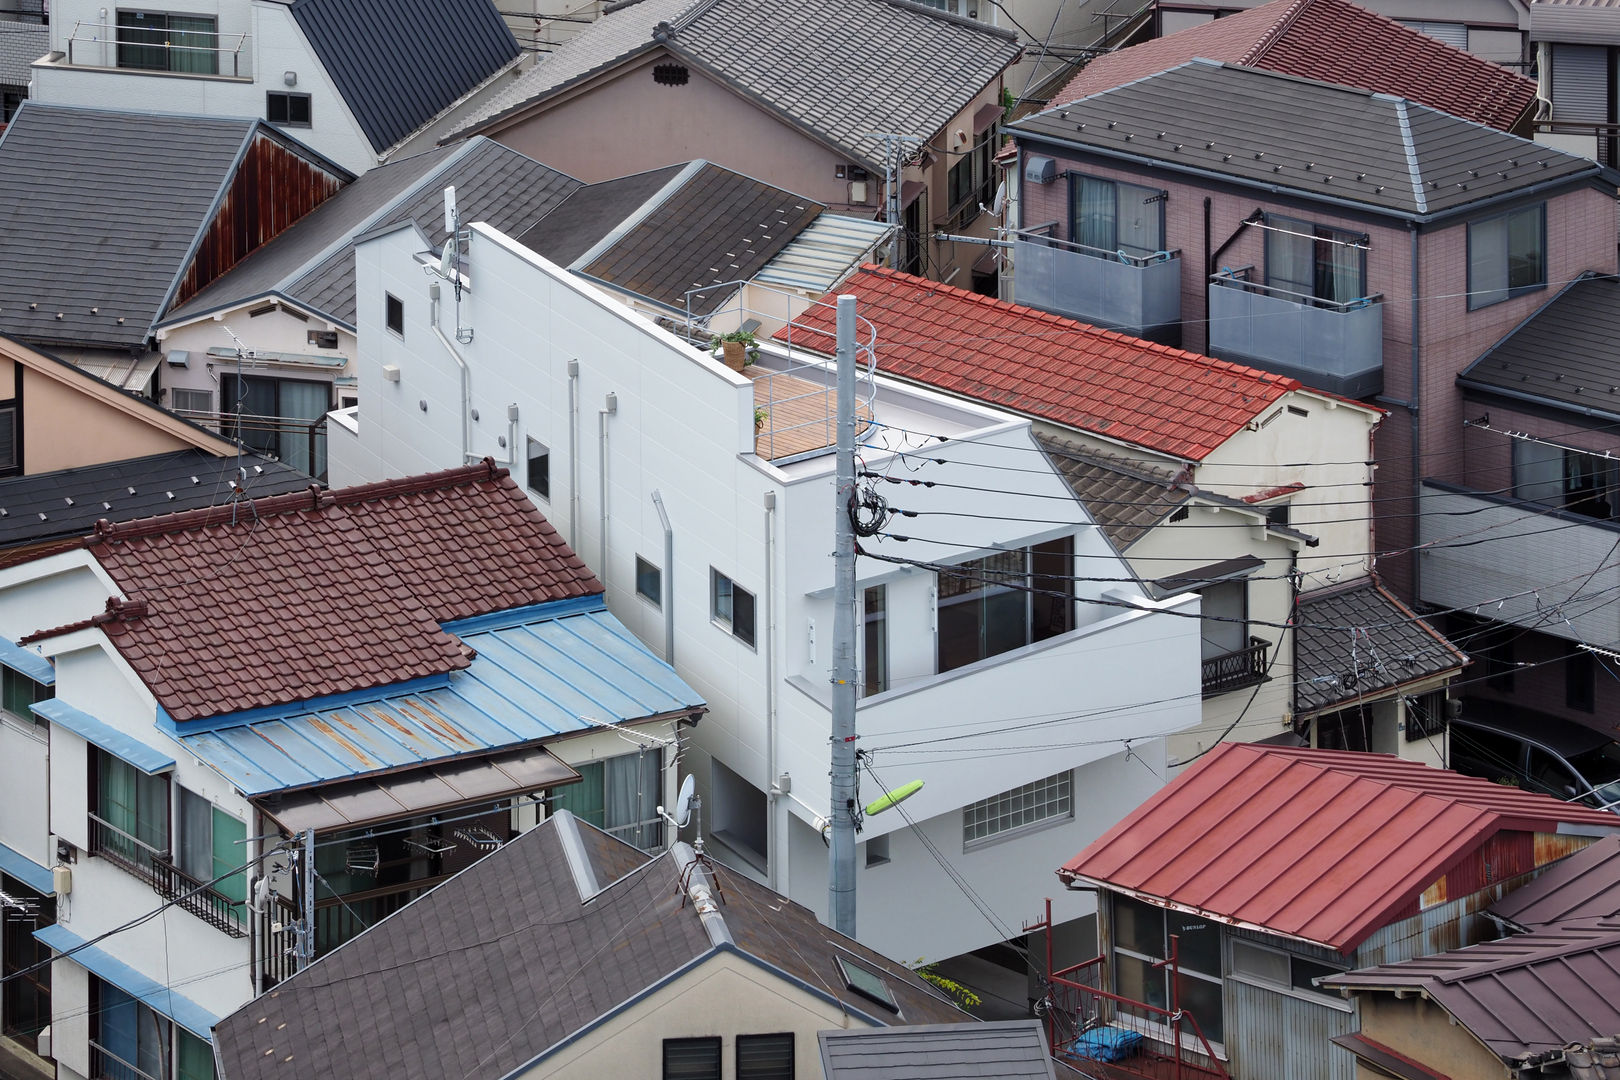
x: 573, y: 453
x: 254, y: 967
x: 610, y: 406
x: 772, y: 851
x: 669, y: 580
x: 1412, y: 411
x: 466, y: 375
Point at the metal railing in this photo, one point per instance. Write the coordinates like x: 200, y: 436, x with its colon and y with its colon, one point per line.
x: 213, y: 908
x: 645, y: 835
x: 1240, y: 278
x: 298, y: 442
x: 1043, y: 235
x: 279, y: 933
x: 1605, y: 136
x: 1103, y: 1032
x: 124, y: 850
x: 123, y: 40
x: 1236, y: 669
x: 106, y: 1065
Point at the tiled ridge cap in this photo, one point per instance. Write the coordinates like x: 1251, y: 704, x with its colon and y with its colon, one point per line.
x: 117, y: 610
x: 1273, y: 33
x: 315, y: 498
x: 1058, y: 321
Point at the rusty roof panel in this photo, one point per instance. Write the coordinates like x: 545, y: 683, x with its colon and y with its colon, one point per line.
x: 530, y: 682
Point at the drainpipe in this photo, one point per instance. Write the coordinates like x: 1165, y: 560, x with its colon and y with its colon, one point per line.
x: 772, y: 850
x: 466, y: 375
x: 252, y: 892
x: 609, y: 407
x: 573, y: 454
x: 1417, y: 431
x: 669, y: 580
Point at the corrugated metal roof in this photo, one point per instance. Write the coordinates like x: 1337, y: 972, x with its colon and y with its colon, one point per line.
x: 1358, y: 641
x: 144, y: 756
x: 1565, y: 355
x: 1583, y: 887
x: 828, y: 250
x: 1264, y: 129
x: 161, y: 999
x: 26, y: 870
x: 1001, y: 1050
x: 1321, y: 845
x: 530, y: 681
x: 399, y: 63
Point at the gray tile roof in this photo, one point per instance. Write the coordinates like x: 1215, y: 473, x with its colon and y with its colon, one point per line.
x: 1583, y: 888
x: 101, y: 211
x: 1264, y: 129
x: 1357, y: 641
x: 20, y: 45
x: 313, y: 261
x: 1566, y: 355
x: 592, y: 212
x: 843, y: 69
x: 1125, y: 498
x: 1005, y: 1050
x: 69, y: 502
x: 399, y: 63
x: 1522, y: 996
x: 503, y: 961
x: 705, y: 225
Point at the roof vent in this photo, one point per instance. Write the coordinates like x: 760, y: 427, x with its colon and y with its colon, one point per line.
x: 671, y: 74
x: 1040, y: 170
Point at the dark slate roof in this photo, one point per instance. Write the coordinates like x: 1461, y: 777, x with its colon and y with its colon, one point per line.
x: 1005, y: 1050
x: 70, y: 502
x: 1566, y: 355
x: 20, y: 45
x: 399, y: 63
x: 1584, y: 888
x: 592, y: 212
x: 1264, y: 129
x: 841, y: 69
x: 1125, y: 498
x: 313, y: 261
x: 1523, y: 996
x: 502, y: 962
x: 705, y: 225
x: 1357, y: 641
x: 101, y: 211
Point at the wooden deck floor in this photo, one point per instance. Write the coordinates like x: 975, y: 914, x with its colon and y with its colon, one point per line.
x: 801, y: 415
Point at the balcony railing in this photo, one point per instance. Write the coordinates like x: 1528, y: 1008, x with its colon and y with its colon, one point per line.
x: 213, y: 908
x: 279, y: 932
x: 1108, y: 1034
x: 1589, y: 138
x: 1331, y: 345
x: 176, y: 52
x: 106, y: 1065
x: 1236, y: 669
x: 1139, y: 294
x: 121, y: 849
x: 298, y: 442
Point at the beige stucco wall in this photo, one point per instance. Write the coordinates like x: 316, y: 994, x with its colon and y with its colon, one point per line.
x: 725, y: 995
x: 1424, y: 1032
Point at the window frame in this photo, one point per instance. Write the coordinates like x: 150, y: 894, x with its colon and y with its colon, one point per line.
x: 874, y: 640
x: 1328, y: 998
x: 287, y: 98
x: 543, y: 489
x: 394, y: 314
x: 1480, y: 298
x: 1322, y: 240
x: 723, y: 609
x: 649, y: 827
x: 1078, y: 180
x: 770, y: 1071
x: 100, y: 763
x: 706, y: 1043
x: 984, y: 813
x: 650, y: 575
x: 167, y: 47
x: 1158, y: 963
x: 11, y: 679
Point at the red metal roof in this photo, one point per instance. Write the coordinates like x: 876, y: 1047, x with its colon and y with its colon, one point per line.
x: 1334, y: 41
x: 1042, y: 365
x: 1322, y: 845
x: 292, y: 597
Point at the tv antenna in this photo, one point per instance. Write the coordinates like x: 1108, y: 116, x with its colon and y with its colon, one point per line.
x: 449, y: 267
x: 688, y: 807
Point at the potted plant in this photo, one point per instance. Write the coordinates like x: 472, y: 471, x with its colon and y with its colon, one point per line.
x: 760, y: 416
x: 737, y: 347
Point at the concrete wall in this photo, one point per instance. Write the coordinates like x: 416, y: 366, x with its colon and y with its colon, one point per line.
x: 1426, y: 1033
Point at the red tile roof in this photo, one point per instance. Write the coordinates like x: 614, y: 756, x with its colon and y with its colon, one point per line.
x: 1323, y: 845
x: 1334, y: 41
x: 1046, y: 366
x: 297, y: 596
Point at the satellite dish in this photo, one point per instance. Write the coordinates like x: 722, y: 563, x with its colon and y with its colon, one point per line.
x: 683, y: 802
x: 447, y: 260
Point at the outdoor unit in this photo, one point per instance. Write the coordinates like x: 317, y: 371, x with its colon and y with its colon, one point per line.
x: 1040, y: 170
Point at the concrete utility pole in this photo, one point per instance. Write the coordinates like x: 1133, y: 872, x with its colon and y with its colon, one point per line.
x: 894, y: 160
x: 841, y: 808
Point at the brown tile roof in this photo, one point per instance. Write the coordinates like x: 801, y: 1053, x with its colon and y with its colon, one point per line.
x: 1358, y: 641
x: 293, y: 597
x: 1334, y: 41
x: 1127, y: 499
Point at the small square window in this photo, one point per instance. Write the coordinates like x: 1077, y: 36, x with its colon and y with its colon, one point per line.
x: 731, y: 607
x: 394, y: 314
x: 877, y: 850
x: 765, y: 1057
x: 692, y: 1059
x: 321, y: 339
x: 539, y: 468
x: 287, y: 110
x: 649, y: 582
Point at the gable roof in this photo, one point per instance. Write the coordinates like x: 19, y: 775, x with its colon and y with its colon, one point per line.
x: 1358, y: 641
x: 703, y: 225
x: 1045, y: 366
x: 1125, y: 498
x: 312, y: 263
x: 1525, y: 997
x: 840, y: 69
x: 1321, y: 845
x: 1264, y: 130
x: 1335, y: 41
x: 531, y: 947
x: 103, y: 210
x: 399, y: 63
x: 224, y: 613
x: 1566, y: 355
x: 998, y: 1050
x: 1583, y: 888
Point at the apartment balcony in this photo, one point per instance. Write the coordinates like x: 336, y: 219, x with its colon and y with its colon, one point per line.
x: 1326, y: 344
x: 158, y: 49
x: 1140, y: 295
x: 1519, y: 562
x: 1237, y: 669
x: 156, y: 868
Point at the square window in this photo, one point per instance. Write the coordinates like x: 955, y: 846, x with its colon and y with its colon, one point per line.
x: 539, y: 469
x: 191, y: 401
x: 322, y: 339
x: 692, y: 1059
x: 394, y: 314
x: 1507, y: 255
x: 649, y: 582
x: 731, y: 607
x: 765, y: 1057
x: 877, y: 850
x: 287, y: 110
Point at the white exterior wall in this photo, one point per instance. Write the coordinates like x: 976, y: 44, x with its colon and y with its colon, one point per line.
x: 275, y: 331
x: 684, y: 427
x: 24, y: 814
x: 275, y: 46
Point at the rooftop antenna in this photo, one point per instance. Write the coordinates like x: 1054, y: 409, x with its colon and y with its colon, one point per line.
x: 450, y: 258
x: 688, y: 807
x: 239, y: 484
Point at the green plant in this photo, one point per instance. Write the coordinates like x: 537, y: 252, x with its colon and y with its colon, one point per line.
x: 953, y: 989
x: 743, y: 337
x: 760, y: 416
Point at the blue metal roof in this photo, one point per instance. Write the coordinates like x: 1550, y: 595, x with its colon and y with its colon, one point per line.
x: 529, y: 682
x: 182, y: 1010
x: 27, y: 661
x: 26, y: 870
x: 145, y: 757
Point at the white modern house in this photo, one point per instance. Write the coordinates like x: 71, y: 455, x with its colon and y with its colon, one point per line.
x: 1032, y: 704
x: 360, y: 81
